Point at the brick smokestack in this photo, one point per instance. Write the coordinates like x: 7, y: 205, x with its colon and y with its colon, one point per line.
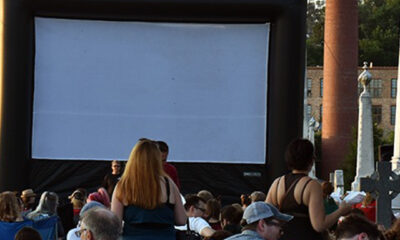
x: 340, y: 82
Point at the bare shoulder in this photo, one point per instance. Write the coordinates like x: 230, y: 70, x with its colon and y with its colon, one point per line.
x: 274, y: 190
x: 275, y: 181
x: 312, y: 190
x: 276, y: 184
x: 313, y: 186
x: 171, y: 183
x: 280, y: 179
x: 173, y: 189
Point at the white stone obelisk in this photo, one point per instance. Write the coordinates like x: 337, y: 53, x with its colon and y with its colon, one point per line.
x: 396, y: 148
x: 365, y: 139
x: 312, y: 126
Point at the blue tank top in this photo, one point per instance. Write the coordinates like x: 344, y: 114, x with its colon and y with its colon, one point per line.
x: 149, y: 224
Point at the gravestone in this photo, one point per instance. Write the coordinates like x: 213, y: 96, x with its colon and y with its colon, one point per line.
x: 338, y: 181
x: 313, y: 125
x: 384, y: 185
x: 365, y: 139
x: 332, y: 177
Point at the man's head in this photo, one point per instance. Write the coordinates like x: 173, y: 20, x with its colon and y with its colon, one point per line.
x: 28, y: 233
x: 231, y: 215
x: 257, y: 196
x: 205, y: 195
x: 356, y: 227
x: 28, y: 197
x: 195, y: 206
x: 100, y: 224
x: 265, y: 219
x: 116, y: 167
x: 164, y: 150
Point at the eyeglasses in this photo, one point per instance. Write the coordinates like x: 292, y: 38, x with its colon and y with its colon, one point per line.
x: 80, y: 232
x: 201, y: 209
x: 276, y: 224
x: 272, y: 223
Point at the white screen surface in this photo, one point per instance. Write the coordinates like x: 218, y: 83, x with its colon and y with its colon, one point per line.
x: 102, y: 85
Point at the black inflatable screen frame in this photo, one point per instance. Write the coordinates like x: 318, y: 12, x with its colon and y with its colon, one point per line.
x: 286, y: 69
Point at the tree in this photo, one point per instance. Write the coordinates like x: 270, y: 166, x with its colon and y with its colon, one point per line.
x: 378, y: 32
x: 315, y: 33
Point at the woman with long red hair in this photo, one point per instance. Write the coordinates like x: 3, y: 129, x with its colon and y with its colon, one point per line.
x: 145, y: 198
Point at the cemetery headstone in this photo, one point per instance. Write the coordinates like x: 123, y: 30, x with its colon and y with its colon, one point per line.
x: 365, y: 139
x: 332, y: 177
x: 338, y: 181
x: 384, y: 185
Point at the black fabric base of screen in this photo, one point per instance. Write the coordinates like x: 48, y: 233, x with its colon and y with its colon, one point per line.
x: 225, y: 180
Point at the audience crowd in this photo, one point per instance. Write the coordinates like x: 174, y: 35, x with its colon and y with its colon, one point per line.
x: 142, y: 200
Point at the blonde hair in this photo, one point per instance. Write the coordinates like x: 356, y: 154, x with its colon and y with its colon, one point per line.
x: 140, y: 182
x: 368, y: 199
x: 76, y: 203
x: 10, y: 209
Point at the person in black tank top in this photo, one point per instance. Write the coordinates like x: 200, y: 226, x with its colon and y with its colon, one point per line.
x: 301, y: 222
x: 298, y: 195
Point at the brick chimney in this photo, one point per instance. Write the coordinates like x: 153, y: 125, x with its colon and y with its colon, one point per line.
x: 340, y: 82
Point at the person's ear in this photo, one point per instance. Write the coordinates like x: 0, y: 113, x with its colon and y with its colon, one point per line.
x: 261, y: 224
x: 191, y: 209
x: 89, y: 235
x: 224, y: 222
x: 363, y: 236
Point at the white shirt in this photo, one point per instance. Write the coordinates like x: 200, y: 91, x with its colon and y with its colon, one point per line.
x: 71, y: 234
x: 196, y: 224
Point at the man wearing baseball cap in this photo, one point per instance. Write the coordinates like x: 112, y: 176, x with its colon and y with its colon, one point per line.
x: 263, y: 222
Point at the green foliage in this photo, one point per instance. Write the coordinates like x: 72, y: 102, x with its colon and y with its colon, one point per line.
x: 390, y: 138
x: 378, y: 32
x: 349, y: 164
x: 315, y: 34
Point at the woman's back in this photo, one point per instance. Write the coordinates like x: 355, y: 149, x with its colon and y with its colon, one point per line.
x: 147, y: 200
x: 148, y: 224
x: 303, y: 195
x: 157, y: 223
x: 291, y: 202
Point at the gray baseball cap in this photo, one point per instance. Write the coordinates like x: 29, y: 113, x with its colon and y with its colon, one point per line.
x: 261, y: 210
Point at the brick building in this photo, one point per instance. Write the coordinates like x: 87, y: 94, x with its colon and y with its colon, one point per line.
x: 383, y: 89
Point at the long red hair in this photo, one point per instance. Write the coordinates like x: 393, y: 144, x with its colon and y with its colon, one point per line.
x: 140, y: 182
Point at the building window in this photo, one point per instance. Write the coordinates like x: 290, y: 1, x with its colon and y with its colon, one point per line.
x: 309, y: 87
x: 308, y: 112
x: 392, y: 115
x: 393, y: 88
x: 321, y: 87
x: 374, y: 88
x: 377, y: 113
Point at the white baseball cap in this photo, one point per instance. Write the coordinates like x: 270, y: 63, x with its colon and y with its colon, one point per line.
x: 261, y: 210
